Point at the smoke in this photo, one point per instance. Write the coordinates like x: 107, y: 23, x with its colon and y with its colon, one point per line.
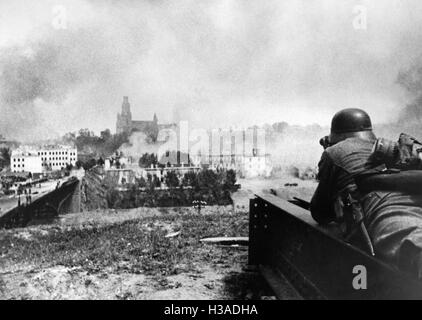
x: 140, y: 144
x: 295, y: 145
x: 215, y: 63
x: 408, y: 116
x: 45, y: 73
x: 59, y: 81
x: 137, y: 146
x: 411, y: 80
x: 27, y: 77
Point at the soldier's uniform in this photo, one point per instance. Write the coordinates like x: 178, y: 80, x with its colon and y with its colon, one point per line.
x: 393, y: 219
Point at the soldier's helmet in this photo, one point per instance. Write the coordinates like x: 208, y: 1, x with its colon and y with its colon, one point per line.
x: 351, y: 122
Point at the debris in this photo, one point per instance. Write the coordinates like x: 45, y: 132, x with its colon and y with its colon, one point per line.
x: 290, y: 184
x: 88, y: 282
x: 172, y: 234
x: 308, y: 174
x: 209, y: 286
x: 227, y: 240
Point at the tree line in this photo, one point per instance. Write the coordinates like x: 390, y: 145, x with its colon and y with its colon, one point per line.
x: 212, y: 187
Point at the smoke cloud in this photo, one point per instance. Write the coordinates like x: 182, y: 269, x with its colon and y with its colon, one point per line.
x: 215, y: 63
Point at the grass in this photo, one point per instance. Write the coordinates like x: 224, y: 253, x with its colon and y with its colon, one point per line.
x: 136, y: 246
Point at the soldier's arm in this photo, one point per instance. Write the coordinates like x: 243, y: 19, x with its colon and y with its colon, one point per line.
x: 322, y: 205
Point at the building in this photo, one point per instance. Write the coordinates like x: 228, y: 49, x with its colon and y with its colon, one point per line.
x: 39, y: 160
x: 25, y: 160
x: 236, y: 151
x: 161, y: 172
x: 125, y: 124
x: 127, y: 171
x: 57, y: 157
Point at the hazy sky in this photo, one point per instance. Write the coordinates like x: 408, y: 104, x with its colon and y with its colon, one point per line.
x: 215, y: 63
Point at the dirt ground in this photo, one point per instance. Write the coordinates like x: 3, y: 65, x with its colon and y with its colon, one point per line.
x: 143, y: 253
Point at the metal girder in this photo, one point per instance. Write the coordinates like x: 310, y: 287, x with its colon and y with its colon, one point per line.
x: 284, y: 238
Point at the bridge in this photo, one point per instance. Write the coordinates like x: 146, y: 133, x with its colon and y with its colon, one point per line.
x: 49, y: 202
x: 302, y: 260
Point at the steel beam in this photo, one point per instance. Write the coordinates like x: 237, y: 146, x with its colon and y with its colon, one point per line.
x: 284, y: 238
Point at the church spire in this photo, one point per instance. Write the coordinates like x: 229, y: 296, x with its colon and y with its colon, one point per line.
x: 125, y: 105
x: 155, y: 118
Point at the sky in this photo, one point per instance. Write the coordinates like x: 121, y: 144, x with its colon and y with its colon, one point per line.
x: 65, y: 65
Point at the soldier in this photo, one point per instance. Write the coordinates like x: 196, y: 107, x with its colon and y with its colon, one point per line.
x: 392, y: 218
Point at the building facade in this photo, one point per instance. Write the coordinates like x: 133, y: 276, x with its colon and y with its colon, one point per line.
x: 39, y: 160
x: 57, y: 157
x: 238, y: 151
x: 25, y: 161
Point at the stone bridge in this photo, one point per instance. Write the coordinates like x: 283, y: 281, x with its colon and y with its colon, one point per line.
x: 64, y: 199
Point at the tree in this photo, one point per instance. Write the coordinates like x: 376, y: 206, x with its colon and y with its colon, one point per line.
x: 5, y: 155
x: 141, y: 182
x: 207, y: 179
x: 89, y: 164
x: 156, y: 182
x: 172, y: 180
x: 105, y: 135
x: 86, y: 133
x: 230, y: 180
x: 190, y: 179
x: 147, y: 159
x: 69, y: 138
x: 114, y: 143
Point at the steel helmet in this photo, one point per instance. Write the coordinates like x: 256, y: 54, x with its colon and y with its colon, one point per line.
x: 351, y: 122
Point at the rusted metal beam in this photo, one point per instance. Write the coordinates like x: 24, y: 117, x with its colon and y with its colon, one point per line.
x: 284, y: 238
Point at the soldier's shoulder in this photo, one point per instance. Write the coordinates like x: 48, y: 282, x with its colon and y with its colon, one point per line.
x: 338, y: 148
x: 348, y: 146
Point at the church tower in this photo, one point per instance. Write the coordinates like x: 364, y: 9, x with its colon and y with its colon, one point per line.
x: 124, y: 119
